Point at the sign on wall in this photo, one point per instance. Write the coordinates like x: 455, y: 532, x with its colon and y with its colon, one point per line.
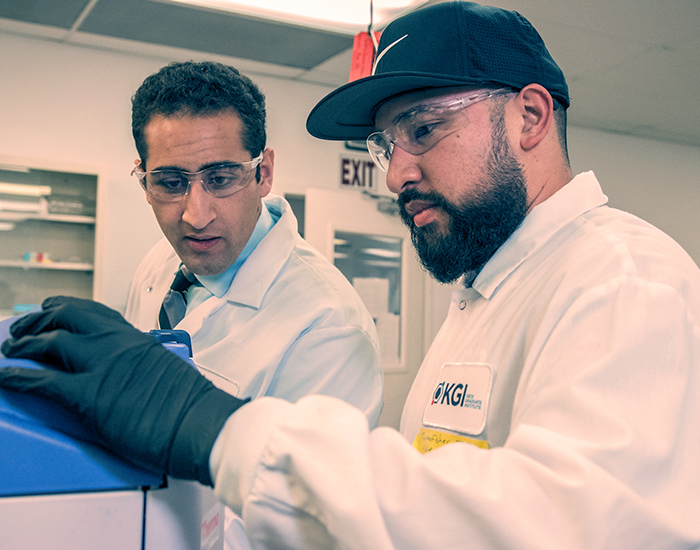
x: 358, y: 171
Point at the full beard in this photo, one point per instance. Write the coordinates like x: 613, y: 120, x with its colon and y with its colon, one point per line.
x: 479, y: 224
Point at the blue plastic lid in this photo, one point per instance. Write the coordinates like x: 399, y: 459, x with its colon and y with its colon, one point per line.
x: 44, y: 450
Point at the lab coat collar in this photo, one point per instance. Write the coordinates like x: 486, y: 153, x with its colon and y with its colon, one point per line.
x: 218, y: 285
x: 580, y: 195
x: 260, y: 269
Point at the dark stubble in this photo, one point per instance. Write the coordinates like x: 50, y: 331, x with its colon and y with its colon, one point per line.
x: 480, y: 223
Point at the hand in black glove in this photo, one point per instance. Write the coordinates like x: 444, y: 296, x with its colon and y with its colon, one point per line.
x: 145, y: 403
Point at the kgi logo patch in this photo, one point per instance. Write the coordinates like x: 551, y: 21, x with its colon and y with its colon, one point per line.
x: 460, y: 398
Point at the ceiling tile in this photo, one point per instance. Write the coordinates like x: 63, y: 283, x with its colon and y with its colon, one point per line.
x: 44, y: 12
x: 214, y: 32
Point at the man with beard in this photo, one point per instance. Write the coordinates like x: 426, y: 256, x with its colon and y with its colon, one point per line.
x: 558, y: 406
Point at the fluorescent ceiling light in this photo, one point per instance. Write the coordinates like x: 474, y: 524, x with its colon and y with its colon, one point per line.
x: 347, y: 16
x: 24, y: 190
x: 13, y: 168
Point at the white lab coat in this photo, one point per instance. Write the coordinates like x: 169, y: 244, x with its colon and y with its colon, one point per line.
x: 587, y: 320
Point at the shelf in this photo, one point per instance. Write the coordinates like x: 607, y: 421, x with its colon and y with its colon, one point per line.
x: 67, y: 218
x: 60, y: 266
x: 47, y: 214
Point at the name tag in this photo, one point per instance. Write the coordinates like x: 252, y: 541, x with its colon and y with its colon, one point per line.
x: 460, y: 400
x: 428, y: 440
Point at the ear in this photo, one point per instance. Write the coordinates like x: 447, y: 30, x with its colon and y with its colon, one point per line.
x: 537, y: 110
x: 267, y: 168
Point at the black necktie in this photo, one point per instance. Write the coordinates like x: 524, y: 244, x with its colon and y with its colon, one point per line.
x: 175, y: 302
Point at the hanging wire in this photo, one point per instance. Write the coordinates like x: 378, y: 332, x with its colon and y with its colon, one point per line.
x: 375, y: 44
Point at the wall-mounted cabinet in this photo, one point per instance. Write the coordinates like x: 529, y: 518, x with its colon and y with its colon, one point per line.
x: 47, y: 235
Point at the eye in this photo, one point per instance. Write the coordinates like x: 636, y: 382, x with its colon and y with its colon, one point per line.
x: 423, y: 131
x: 220, y: 178
x: 170, y: 182
x: 424, y: 128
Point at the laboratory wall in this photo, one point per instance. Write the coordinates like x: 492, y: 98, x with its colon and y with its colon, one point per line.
x: 71, y: 104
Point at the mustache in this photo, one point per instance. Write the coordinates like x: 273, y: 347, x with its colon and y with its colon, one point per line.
x: 414, y: 195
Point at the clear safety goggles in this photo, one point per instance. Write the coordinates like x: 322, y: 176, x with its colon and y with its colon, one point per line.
x: 220, y: 181
x: 421, y: 127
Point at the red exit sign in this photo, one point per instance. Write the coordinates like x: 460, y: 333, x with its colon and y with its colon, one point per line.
x: 359, y: 172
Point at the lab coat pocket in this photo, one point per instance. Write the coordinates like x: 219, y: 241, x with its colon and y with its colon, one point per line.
x: 221, y: 382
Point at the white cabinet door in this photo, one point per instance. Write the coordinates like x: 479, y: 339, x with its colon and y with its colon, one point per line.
x: 373, y: 249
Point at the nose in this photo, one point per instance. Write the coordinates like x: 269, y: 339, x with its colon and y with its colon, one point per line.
x: 198, y: 207
x: 403, y: 171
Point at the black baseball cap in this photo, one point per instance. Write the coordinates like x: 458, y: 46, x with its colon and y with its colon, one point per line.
x: 447, y: 44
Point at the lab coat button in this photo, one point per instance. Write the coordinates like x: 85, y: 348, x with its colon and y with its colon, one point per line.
x: 149, y: 289
x: 462, y: 304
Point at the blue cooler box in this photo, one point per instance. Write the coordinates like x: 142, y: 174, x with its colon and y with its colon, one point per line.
x: 59, y: 488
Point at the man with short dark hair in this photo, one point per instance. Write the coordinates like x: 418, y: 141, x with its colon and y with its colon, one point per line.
x: 558, y: 406
x: 264, y: 310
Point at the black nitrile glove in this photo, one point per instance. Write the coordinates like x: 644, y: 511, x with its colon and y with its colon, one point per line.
x: 145, y: 403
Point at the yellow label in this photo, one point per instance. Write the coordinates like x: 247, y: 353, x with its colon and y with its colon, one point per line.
x: 429, y: 440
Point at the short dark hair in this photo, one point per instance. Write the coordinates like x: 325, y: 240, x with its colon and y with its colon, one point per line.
x: 199, y: 89
x: 560, y: 121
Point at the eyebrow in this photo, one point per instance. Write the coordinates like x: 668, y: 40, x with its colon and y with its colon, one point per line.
x: 409, y: 113
x: 174, y: 168
x: 417, y: 110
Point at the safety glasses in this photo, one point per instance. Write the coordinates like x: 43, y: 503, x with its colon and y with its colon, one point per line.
x: 421, y: 127
x: 220, y: 181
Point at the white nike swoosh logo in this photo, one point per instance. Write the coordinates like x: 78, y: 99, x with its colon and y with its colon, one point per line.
x: 376, y: 61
